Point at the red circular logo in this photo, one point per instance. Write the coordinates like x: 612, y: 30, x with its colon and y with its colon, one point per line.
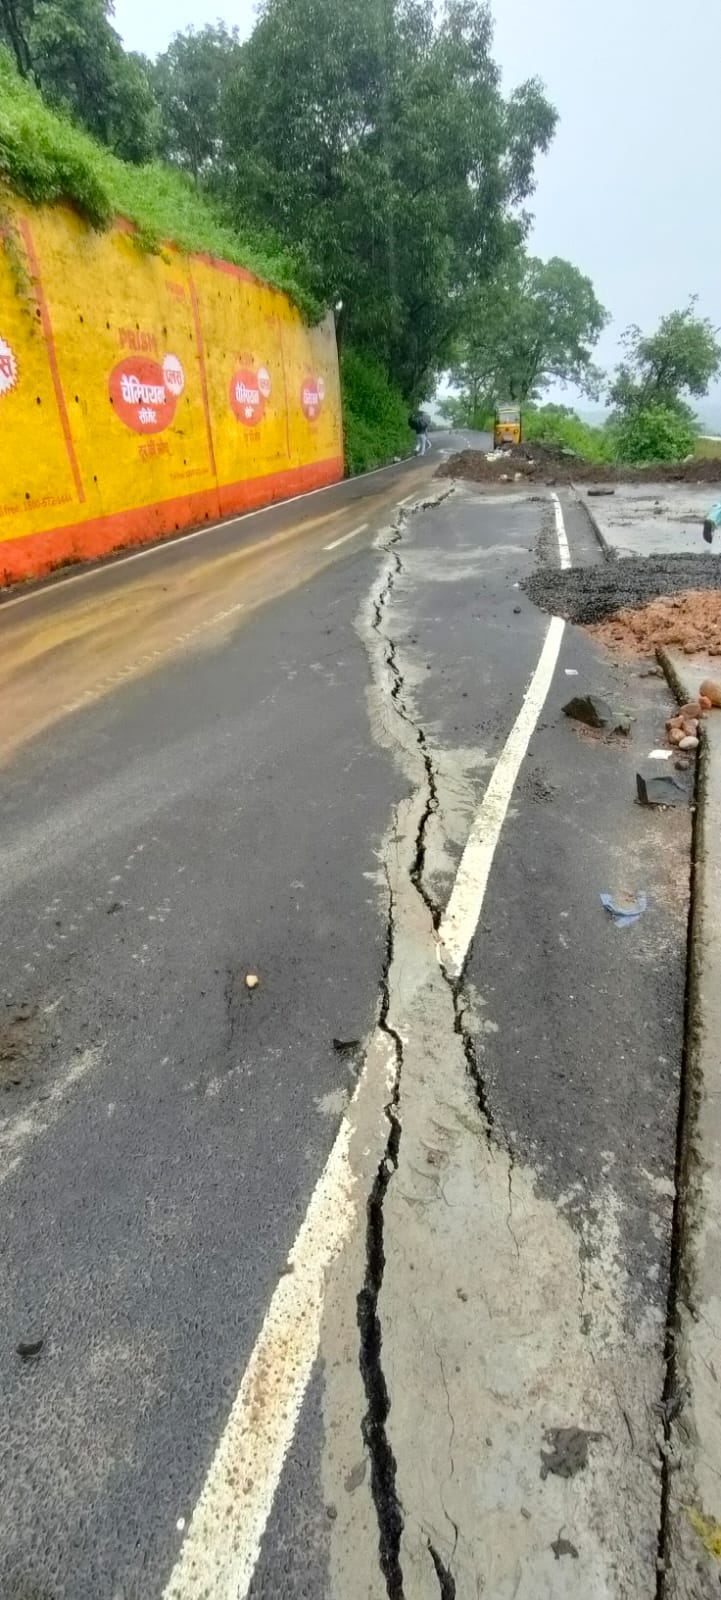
x: 140, y: 395
x: 247, y: 397
x: 8, y: 368
x: 311, y: 397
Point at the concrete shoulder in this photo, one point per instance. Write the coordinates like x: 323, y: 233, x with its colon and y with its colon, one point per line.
x: 693, y: 1545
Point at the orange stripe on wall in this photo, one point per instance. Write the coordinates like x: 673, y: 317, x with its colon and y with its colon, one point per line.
x: 52, y: 357
x: 39, y: 553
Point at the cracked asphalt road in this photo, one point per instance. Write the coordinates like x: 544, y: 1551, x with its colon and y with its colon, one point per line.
x: 291, y: 794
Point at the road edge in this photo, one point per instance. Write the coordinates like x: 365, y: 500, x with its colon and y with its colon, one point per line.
x: 582, y: 500
x: 690, y: 1567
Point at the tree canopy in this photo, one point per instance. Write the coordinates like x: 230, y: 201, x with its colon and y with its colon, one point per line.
x: 191, y: 79
x: 535, y: 323
x: 70, y: 49
x: 667, y: 368
x: 376, y: 139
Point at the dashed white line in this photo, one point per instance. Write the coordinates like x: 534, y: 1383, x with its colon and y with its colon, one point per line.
x: 222, y: 1544
x: 20, y: 1130
x: 346, y: 536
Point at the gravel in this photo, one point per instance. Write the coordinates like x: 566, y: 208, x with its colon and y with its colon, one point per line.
x: 589, y: 594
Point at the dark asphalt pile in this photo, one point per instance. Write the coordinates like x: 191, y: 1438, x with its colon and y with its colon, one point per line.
x: 589, y: 594
x: 540, y: 463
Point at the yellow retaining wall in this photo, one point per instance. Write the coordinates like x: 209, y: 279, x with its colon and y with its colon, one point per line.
x: 143, y: 393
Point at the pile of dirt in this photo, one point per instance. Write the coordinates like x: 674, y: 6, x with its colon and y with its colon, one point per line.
x: 540, y: 463
x: 593, y: 594
x: 690, y: 622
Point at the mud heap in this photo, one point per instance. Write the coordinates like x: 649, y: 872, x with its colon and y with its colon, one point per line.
x: 542, y: 463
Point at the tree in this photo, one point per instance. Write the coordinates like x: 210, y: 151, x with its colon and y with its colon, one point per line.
x: 539, y: 321
x: 666, y: 368
x: 73, y: 53
x: 190, y: 81
x: 376, y: 139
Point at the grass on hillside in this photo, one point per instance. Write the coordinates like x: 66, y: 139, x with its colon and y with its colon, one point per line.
x: 46, y: 159
x: 709, y: 448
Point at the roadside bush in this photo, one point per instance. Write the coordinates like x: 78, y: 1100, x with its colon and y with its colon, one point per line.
x: 558, y: 425
x: 655, y: 433
x: 375, y: 415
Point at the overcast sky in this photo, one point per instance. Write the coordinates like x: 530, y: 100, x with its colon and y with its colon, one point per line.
x: 630, y: 188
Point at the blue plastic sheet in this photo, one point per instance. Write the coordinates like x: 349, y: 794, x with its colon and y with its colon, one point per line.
x: 624, y: 916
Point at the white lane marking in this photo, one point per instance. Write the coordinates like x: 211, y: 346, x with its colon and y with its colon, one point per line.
x: 221, y: 1548
x: 18, y: 1131
x: 460, y: 919
x: 346, y: 536
x: 561, y: 534
x: 196, y: 533
x: 222, y: 1544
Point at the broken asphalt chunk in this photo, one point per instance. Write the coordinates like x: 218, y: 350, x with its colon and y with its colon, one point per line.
x: 660, y: 791
x: 590, y: 709
x: 29, y: 1349
x: 563, y: 1547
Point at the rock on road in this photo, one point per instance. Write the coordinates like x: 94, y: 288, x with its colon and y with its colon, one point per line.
x: 353, y: 1283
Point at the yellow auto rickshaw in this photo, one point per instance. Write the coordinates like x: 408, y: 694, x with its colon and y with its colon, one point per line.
x: 507, y: 426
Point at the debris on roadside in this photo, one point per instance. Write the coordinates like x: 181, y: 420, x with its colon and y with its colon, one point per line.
x: 635, y: 604
x: 251, y: 980
x: 711, y: 690
x: 589, y: 709
x: 563, y: 1547
x: 552, y: 463
x: 682, y: 728
x: 29, y: 1349
x: 595, y: 713
x: 691, y: 622
x: 625, y: 909
x: 660, y: 791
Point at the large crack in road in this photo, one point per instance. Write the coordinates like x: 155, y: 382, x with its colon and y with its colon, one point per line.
x: 488, y: 1320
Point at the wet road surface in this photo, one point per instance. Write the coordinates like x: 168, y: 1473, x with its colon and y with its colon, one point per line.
x: 318, y: 1266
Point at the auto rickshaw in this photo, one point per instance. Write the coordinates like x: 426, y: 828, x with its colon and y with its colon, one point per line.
x: 507, y: 426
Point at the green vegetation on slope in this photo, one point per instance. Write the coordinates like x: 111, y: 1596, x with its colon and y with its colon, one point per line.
x: 46, y: 159
x: 375, y: 415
